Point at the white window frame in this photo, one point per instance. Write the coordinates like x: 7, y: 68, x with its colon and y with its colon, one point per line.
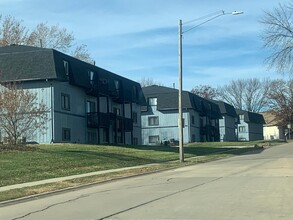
x: 153, y: 139
x: 242, y: 129
x: 66, y: 67
x: 153, y: 121
x: 153, y: 101
x: 65, y: 101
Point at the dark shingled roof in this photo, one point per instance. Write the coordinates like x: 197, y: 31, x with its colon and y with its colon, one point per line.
x: 251, y: 117
x: 26, y: 63
x: 167, y: 99
x: 225, y: 108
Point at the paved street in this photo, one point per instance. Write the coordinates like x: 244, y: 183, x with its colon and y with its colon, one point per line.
x: 256, y: 186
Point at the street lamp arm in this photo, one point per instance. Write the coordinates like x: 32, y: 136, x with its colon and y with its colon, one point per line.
x: 203, y: 17
x: 216, y: 15
x: 202, y: 23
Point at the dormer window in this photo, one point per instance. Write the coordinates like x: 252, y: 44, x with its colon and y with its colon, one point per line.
x: 117, y: 86
x: 152, y: 101
x: 116, y: 82
x: 91, y: 76
x: 66, y: 67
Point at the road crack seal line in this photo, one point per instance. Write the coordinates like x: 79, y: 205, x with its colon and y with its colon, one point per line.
x: 157, y: 199
x: 50, y: 206
x: 81, y: 197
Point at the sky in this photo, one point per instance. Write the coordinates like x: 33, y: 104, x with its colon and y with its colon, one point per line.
x: 139, y: 38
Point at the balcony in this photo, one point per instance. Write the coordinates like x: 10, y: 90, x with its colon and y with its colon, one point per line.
x: 98, y: 120
x: 93, y: 120
x: 103, y: 120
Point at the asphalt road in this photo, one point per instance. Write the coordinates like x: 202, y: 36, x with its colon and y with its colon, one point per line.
x: 255, y: 186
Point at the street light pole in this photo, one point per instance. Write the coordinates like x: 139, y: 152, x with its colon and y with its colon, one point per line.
x: 180, y: 118
x: 180, y: 33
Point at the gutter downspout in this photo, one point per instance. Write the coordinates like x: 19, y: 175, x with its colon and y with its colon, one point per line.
x: 52, y: 113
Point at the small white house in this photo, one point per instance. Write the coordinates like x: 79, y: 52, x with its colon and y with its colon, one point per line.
x: 272, y: 130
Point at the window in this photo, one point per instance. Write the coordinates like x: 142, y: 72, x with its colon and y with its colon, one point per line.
x: 192, y: 119
x: 91, y: 76
x: 241, y: 128
x: 119, y: 124
x: 66, y: 67
x: 152, y: 101
x: 65, y: 102
x: 241, y: 117
x: 90, y: 107
x: 154, y: 139
x: 116, y: 111
x: 134, y: 117
x: 66, y: 134
x: 117, y: 85
x: 153, y: 121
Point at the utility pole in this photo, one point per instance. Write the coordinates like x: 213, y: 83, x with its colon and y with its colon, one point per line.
x: 180, y: 33
x: 180, y: 119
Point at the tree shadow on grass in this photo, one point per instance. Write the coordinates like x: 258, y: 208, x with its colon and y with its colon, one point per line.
x: 144, y: 154
x: 201, y: 151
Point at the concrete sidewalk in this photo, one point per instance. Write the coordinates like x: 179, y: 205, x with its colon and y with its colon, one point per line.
x: 59, y: 179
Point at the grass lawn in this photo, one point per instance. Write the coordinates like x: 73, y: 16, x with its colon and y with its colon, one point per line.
x: 50, y: 161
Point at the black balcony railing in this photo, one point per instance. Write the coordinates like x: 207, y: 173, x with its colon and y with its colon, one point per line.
x: 103, y: 120
x: 93, y: 120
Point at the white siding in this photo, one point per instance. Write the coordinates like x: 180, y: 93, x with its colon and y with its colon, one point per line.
x: 273, y: 132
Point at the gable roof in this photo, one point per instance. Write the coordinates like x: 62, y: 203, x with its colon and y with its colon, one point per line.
x: 167, y: 99
x: 251, y: 117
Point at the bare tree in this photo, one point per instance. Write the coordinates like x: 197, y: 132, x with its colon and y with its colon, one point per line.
x: 144, y: 82
x: 21, y: 115
x: 205, y: 91
x: 256, y: 94
x: 278, y: 37
x: 281, y: 101
x: 246, y: 94
x: 51, y: 37
x: 232, y: 93
x: 82, y: 53
x: 12, y: 31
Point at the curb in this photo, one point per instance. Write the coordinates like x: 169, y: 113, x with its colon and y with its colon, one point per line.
x: 84, y: 186
x: 74, y: 188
